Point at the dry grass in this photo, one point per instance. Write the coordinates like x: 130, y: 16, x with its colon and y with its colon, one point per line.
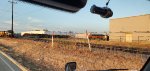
x: 112, y: 43
x: 41, y: 56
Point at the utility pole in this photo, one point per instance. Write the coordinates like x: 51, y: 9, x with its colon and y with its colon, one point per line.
x: 12, y: 26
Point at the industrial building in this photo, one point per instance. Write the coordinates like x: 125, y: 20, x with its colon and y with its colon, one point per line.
x: 81, y: 35
x: 130, y: 29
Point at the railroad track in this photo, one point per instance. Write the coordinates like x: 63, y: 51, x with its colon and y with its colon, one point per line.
x: 134, y: 50
x: 144, y: 51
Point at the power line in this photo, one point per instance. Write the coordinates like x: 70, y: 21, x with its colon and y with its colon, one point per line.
x: 4, y: 13
x: 29, y: 12
x: 4, y: 10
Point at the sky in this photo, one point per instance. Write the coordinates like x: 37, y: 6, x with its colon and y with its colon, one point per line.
x: 32, y: 17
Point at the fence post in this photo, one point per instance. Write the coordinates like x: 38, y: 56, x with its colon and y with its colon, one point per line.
x: 87, y: 35
x: 120, y: 39
x: 138, y: 39
x: 53, y: 39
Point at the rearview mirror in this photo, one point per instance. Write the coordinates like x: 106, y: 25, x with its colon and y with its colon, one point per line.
x: 104, y: 12
x: 71, y: 66
x: 65, y: 5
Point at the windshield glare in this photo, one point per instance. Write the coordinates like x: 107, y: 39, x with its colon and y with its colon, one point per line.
x: 91, y: 34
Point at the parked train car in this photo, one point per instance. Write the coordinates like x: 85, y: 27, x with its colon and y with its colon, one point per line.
x: 92, y: 36
x: 4, y: 34
x: 44, y: 36
x: 99, y: 36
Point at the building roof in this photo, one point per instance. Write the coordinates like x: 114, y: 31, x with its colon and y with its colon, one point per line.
x: 131, y: 16
x: 131, y: 24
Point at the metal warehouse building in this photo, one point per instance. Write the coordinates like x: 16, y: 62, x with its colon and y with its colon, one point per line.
x: 130, y: 29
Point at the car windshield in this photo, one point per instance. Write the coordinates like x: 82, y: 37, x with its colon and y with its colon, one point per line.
x: 44, y: 35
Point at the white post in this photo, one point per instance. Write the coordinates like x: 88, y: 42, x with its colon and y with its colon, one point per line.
x: 87, y: 35
x: 53, y: 39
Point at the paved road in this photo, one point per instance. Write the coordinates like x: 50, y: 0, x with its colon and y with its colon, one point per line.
x: 7, y: 65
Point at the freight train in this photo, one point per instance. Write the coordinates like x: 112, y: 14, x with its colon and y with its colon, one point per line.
x: 4, y: 34
x: 44, y: 36
x: 99, y: 36
x: 92, y: 36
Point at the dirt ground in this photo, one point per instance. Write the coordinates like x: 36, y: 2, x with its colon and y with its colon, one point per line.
x: 40, y: 56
